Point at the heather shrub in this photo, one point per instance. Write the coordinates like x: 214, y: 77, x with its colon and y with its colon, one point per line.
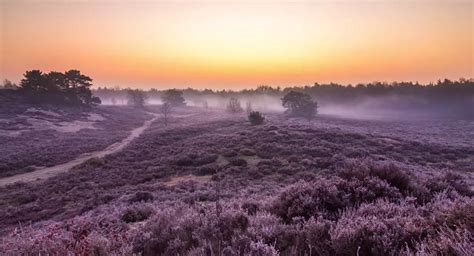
x: 184, y: 161
x: 440, y: 182
x: 205, y: 159
x: 446, y: 242
x: 141, y: 196
x: 230, y: 153
x: 379, y: 228
x: 250, y: 208
x: 261, y: 249
x: 238, y: 162
x: 327, y: 196
x: 206, y: 170
x: 256, y: 118
x: 388, y: 172
x: 136, y: 214
x: 247, y: 152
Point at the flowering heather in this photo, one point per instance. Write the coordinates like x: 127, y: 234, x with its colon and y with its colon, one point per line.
x: 216, y: 185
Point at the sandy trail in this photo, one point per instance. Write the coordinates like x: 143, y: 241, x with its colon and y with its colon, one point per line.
x: 47, y: 172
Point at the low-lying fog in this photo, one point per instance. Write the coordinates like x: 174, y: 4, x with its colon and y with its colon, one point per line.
x: 384, y: 107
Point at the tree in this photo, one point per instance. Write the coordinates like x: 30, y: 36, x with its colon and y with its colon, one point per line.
x: 55, y: 87
x: 234, y: 106
x: 136, y: 98
x: 174, y: 97
x: 166, y: 112
x: 300, y: 104
x: 256, y: 118
x: 33, y: 81
x: 77, y: 87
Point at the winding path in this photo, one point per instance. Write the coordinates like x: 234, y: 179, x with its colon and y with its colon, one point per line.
x: 48, y: 172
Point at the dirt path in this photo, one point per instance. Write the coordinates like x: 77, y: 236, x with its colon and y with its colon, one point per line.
x: 44, y: 173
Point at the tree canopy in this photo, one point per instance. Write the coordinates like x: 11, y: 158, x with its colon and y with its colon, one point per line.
x: 70, y: 87
x: 300, y: 104
x: 174, y: 97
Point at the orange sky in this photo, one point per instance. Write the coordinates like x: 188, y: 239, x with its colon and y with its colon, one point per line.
x: 238, y: 44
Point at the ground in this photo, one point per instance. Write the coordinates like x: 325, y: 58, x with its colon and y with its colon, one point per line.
x: 211, y: 183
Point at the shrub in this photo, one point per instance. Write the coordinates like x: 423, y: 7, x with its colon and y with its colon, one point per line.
x: 327, y: 196
x: 238, y: 162
x: 256, y: 118
x: 136, y: 214
x: 141, y: 196
x: 206, y: 170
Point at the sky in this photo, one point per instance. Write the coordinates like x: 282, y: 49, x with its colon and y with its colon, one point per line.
x: 238, y: 44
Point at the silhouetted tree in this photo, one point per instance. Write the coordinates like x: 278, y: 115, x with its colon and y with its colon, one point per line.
x: 55, y: 87
x: 33, y: 81
x: 234, y: 106
x: 299, y: 104
x: 174, y: 97
x: 166, y: 112
x: 136, y: 98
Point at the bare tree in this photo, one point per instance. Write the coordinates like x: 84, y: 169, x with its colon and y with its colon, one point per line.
x: 166, y: 112
x: 234, y: 106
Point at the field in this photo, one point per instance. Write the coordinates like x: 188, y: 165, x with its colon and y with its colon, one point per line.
x: 32, y: 138
x: 210, y: 183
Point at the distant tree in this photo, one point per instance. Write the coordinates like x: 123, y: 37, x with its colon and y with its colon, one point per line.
x: 174, y: 97
x: 256, y: 118
x: 248, y: 108
x: 300, y: 104
x: 234, y: 106
x: 114, y: 101
x: 136, y: 98
x: 8, y: 85
x: 166, y: 112
x: 55, y: 87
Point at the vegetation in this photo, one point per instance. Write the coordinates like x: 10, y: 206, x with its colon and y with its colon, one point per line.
x: 136, y: 98
x: 174, y: 98
x: 256, y: 118
x: 71, y: 87
x: 287, y: 187
x: 8, y: 85
x: 299, y: 104
x: 166, y: 112
x: 233, y: 106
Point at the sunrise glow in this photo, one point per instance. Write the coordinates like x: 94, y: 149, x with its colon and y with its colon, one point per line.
x: 223, y: 44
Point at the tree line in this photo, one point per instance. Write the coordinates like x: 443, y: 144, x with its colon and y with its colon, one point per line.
x: 441, y: 90
x: 68, y: 88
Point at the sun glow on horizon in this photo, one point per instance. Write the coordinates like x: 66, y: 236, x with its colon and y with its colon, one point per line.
x: 236, y: 45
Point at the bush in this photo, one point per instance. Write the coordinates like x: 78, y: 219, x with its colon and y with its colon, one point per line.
x: 238, y: 162
x: 141, y: 196
x: 256, y: 118
x: 136, y: 214
x: 328, y: 196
